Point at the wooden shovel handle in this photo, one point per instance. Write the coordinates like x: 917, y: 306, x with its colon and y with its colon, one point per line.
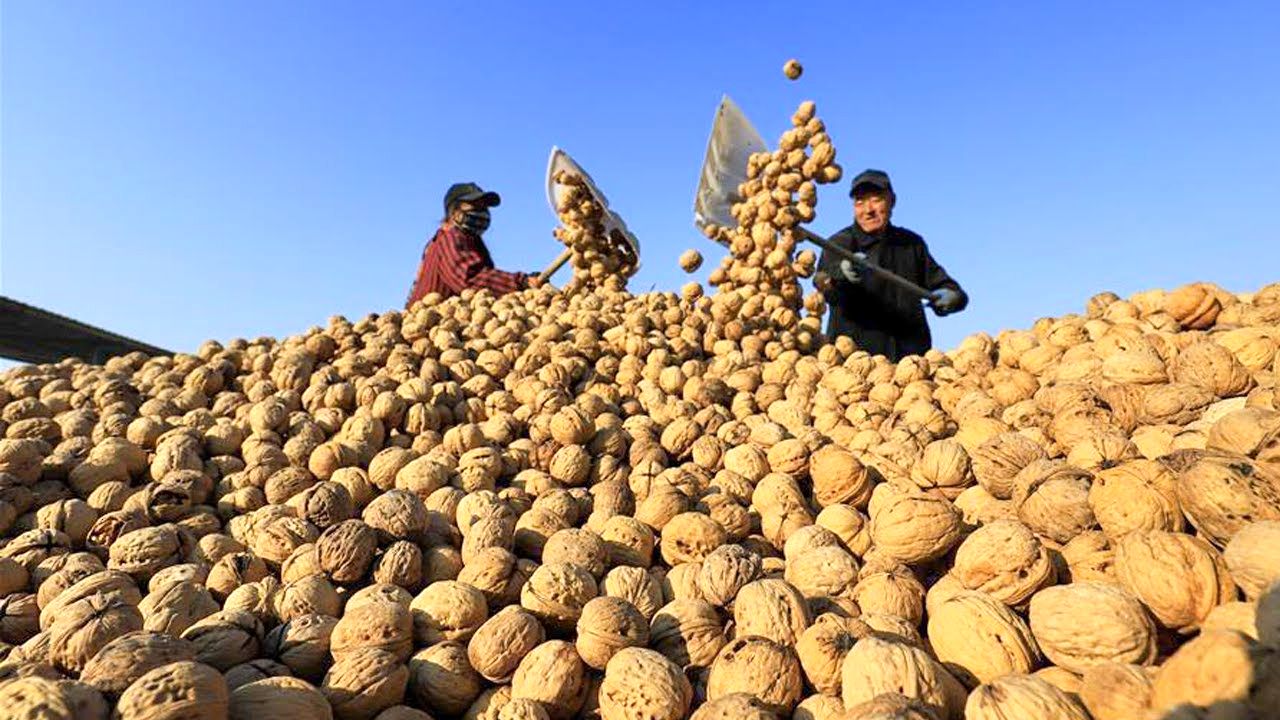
x: 555, y: 265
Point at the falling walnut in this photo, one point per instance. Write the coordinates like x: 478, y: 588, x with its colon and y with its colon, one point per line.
x: 792, y: 69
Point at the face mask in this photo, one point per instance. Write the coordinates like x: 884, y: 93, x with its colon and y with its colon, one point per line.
x: 476, y: 221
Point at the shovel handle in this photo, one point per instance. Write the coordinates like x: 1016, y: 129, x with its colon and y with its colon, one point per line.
x: 555, y: 265
x: 872, y: 268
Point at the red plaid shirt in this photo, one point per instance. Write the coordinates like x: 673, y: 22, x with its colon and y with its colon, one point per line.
x: 455, y: 260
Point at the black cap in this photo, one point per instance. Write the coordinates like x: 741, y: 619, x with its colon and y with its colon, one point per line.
x: 469, y: 192
x: 877, y: 179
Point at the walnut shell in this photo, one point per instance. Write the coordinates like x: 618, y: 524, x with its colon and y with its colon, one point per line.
x: 824, y: 572
x: 447, y: 610
x: 1250, y: 555
x: 771, y: 608
x: 725, y: 571
x: 822, y: 649
x: 576, y: 546
x: 279, y: 697
x: 1115, y: 691
x: 997, y: 461
x: 498, y: 645
x: 1085, y: 623
x: 641, y: 683
x: 380, y: 625
x: 876, y: 666
x: 627, y: 541
x: 760, y: 667
x: 979, y: 639
x: 180, y: 689
x: 608, y: 625
x: 345, y: 551
x: 442, y: 680
x: 143, y: 552
x: 690, y: 537
x: 225, y: 639
x: 1022, y: 696
x: 838, y: 477
x: 1053, y: 500
x: 364, y: 683
x: 1220, y: 494
x: 1215, y: 667
x: 173, y: 608
x: 1136, y: 495
x: 302, y: 644
x: 748, y: 707
x: 1180, y: 578
x: 552, y: 674
x: 688, y: 632
x: 119, y: 663
x: 914, y: 528
x: 1005, y: 560
x: 556, y: 594
x: 635, y: 585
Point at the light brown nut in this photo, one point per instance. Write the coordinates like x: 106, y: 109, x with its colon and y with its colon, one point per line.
x: 302, y: 644
x: 1115, y: 691
x: 553, y: 675
x: 180, y: 689
x: 1022, y: 696
x: 279, y: 697
x: 1252, y: 558
x: 1086, y: 623
x: 502, y: 641
x: 1180, y: 578
x: 1005, y: 560
x: 978, y: 639
x: 876, y: 666
x: 688, y: 632
x: 607, y: 626
x: 380, y: 625
x: 442, y: 680
x: 1215, y: 667
x: 125, y: 659
x: 556, y: 594
x: 641, y: 683
x: 365, y: 683
x: 760, y: 667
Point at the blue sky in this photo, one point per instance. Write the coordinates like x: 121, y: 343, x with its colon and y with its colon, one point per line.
x: 183, y: 171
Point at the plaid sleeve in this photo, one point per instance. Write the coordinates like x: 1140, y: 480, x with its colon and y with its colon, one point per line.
x: 417, y: 290
x: 464, y: 266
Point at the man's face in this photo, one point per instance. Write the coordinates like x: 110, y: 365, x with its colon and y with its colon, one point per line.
x: 872, y: 209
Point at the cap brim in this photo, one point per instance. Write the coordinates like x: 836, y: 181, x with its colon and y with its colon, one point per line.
x: 868, y: 184
x: 488, y: 199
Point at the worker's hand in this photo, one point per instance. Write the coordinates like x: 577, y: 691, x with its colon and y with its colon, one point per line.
x: 822, y: 281
x: 533, y: 280
x: 852, y: 272
x: 944, y: 301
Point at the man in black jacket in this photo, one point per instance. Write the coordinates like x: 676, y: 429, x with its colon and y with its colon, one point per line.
x: 879, y: 317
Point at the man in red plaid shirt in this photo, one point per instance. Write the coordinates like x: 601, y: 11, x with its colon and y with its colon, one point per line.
x: 456, y: 258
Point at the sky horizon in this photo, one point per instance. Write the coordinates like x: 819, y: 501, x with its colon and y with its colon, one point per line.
x: 183, y: 172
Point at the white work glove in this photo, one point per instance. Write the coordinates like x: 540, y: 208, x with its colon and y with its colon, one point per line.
x: 944, y: 300
x: 852, y: 272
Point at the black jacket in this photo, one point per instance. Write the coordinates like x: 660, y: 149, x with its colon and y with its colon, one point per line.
x: 881, y: 318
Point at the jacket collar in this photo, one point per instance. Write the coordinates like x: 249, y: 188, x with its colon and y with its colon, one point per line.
x: 865, y: 240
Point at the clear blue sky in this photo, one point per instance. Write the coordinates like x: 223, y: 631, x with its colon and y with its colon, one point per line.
x: 192, y: 170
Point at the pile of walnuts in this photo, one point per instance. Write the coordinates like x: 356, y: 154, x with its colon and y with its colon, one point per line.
x: 582, y: 231
x: 551, y: 506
